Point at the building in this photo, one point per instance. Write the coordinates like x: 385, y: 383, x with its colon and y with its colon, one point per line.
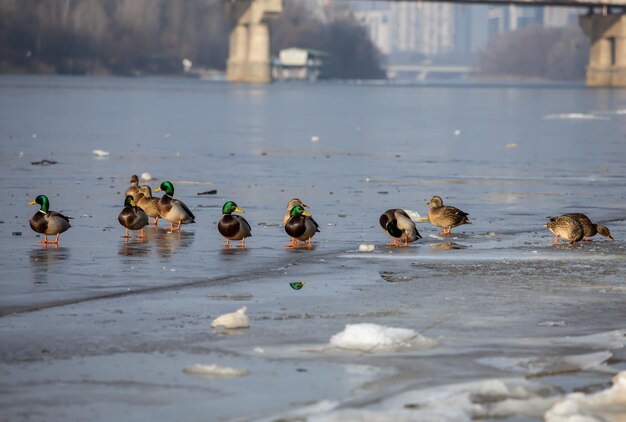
x: 298, y: 64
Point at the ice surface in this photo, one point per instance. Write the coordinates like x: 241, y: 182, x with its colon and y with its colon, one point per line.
x: 605, y: 406
x: 373, y: 337
x: 543, y: 365
x: 237, y: 319
x: 215, y: 371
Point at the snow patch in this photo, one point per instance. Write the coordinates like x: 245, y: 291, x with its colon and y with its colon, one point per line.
x: 237, y: 319
x: 215, y: 371
x: 372, y: 337
x: 607, y: 405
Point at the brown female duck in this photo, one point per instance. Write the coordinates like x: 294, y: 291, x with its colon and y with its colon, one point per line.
x: 566, y: 227
x: 148, y: 203
x: 445, y: 217
x: 590, y: 228
x: 134, y: 188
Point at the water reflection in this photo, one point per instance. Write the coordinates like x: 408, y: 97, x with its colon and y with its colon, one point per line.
x: 167, y: 244
x: 134, y: 247
x: 42, y: 259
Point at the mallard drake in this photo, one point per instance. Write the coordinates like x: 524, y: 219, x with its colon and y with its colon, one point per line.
x: 292, y: 203
x: 48, y: 222
x: 445, y: 217
x: 590, y: 228
x: 134, y: 188
x: 301, y: 226
x: 173, y: 210
x: 132, y: 217
x: 148, y: 203
x: 397, y: 224
x: 233, y: 227
x: 566, y: 227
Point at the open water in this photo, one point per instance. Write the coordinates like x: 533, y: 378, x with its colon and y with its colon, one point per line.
x: 101, y: 329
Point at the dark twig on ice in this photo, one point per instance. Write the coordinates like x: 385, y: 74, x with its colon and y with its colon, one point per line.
x: 208, y: 192
x: 44, y: 162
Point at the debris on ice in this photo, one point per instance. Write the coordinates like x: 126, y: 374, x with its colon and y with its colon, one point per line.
x: 100, y: 153
x: 457, y: 132
x: 315, y: 138
x: 551, y: 324
x: 372, y: 337
x: 215, y: 371
x: 146, y: 176
x: 237, y: 319
x: 434, y: 236
x: 366, y: 248
x: 511, y: 146
x: 607, y: 405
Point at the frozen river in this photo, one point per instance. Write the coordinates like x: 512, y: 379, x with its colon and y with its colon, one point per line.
x: 505, y: 325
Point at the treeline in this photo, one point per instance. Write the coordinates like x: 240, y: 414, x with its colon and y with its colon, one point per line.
x: 153, y: 36
x: 537, y: 52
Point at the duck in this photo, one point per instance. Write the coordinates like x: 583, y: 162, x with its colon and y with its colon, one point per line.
x: 48, y: 222
x: 445, y: 217
x: 566, y: 227
x: 301, y: 226
x: 134, y: 188
x: 292, y: 203
x: 590, y: 228
x: 173, y: 210
x: 233, y: 227
x: 132, y: 217
x: 397, y: 224
x: 148, y: 203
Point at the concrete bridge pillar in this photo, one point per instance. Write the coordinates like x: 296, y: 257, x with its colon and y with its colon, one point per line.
x: 607, y: 57
x: 249, y: 55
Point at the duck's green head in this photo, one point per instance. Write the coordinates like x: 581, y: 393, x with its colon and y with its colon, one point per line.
x: 129, y: 201
x: 43, y: 201
x: 297, y: 211
x: 230, y: 207
x: 166, y: 187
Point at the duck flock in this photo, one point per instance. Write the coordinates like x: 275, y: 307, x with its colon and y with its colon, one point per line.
x: 139, y: 205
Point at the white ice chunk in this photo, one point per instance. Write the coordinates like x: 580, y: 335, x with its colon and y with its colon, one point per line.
x: 457, y: 132
x: 100, y: 153
x: 575, y: 116
x: 215, y: 371
x: 373, y: 337
x: 146, y: 176
x: 315, y: 138
x: 605, y: 406
x: 414, y: 216
x: 237, y: 319
x: 366, y: 248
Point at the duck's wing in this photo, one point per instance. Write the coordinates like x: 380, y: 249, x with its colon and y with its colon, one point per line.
x: 186, y: 208
x: 317, y: 226
x: 58, y: 214
x: 245, y: 225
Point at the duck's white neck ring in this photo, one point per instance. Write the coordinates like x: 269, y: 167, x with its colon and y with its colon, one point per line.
x: 169, y: 195
x: 42, y: 211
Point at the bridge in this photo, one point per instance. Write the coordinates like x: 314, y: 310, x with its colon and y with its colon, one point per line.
x: 604, y: 24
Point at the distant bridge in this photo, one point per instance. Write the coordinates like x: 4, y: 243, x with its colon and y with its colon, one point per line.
x: 249, y: 44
